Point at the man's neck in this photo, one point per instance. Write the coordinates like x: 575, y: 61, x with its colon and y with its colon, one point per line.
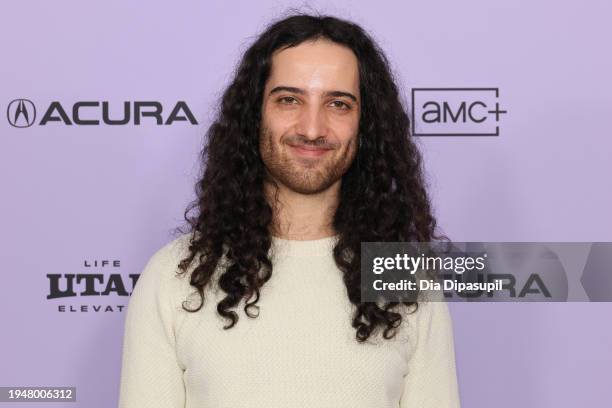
x: 302, y: 216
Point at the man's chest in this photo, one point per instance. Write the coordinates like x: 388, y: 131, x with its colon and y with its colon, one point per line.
x: 301, y: 342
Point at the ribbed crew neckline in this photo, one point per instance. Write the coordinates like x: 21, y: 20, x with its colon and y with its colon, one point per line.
x: 311, y: 247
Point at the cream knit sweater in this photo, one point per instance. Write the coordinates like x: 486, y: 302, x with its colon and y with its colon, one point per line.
x: 300, y: 352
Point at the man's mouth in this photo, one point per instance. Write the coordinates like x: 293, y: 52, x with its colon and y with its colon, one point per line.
x: 309, y: 151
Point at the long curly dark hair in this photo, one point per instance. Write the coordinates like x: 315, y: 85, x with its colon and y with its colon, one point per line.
x: 383, y: 195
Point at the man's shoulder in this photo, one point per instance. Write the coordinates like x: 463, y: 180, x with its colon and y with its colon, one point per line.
x: 176, y: 247
x: 164, y: 262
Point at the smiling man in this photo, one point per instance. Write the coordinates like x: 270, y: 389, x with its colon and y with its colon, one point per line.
x: 259, y: 304
x: 310, y: 109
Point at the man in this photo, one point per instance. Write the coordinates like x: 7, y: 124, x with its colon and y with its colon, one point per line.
x: 309, y: 156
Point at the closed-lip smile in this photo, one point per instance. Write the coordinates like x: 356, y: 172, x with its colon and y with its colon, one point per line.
x: 309, y: 151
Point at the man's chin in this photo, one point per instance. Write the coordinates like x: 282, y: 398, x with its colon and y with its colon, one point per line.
x: 306, y: 187
x: 307, y: 190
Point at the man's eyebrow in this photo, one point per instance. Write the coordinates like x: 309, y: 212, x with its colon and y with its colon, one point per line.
x: 302, y: 92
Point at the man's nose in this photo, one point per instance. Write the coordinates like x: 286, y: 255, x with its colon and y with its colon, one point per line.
x: 312, y: 123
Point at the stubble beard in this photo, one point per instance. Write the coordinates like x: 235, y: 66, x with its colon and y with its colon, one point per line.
x: 302, y: 175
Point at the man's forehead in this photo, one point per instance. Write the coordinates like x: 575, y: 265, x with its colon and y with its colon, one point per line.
x: 315, y: 67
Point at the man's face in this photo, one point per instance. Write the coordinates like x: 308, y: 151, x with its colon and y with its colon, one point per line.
x: 310, y: 115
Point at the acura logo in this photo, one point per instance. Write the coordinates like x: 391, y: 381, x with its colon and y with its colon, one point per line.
x: 21, y: 113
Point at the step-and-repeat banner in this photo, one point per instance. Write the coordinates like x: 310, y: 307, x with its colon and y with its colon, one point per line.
x: 104, y: 109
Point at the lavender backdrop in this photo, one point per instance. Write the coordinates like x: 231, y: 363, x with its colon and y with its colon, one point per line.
x: 75, y: 193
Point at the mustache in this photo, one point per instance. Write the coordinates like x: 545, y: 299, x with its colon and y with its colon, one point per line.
x: 320, y: 142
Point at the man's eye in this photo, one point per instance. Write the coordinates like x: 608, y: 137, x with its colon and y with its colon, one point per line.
x: 287, y: 99
x: 341, y: 105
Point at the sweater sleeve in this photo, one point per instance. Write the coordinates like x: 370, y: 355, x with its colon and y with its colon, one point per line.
x: 432, y: 380
x: 151, y: 375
